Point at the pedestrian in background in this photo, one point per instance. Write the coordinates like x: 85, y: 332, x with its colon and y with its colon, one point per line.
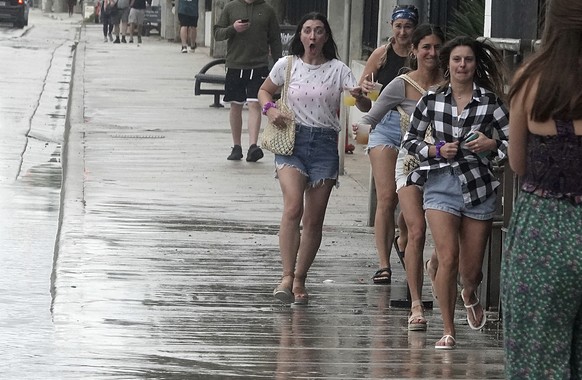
x: 383, y: 66
x: 251, y: 30
x: 71, y: 5
x: 136, y: 19
x: 469, y: 125
x: 309, y: 174
x: 121, y: 17
x: 188, y: 17
x: 108, y: 13
x: 542, y: 261
x: 386, y: 61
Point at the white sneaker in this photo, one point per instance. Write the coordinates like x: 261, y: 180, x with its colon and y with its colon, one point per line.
x: 184, y: 49
x: 105, y: 39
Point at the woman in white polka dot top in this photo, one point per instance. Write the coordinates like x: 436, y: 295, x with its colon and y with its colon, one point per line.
x: 308, y: 175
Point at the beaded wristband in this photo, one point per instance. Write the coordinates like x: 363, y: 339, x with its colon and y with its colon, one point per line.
x: 438, y: 147
x: 268, y: 106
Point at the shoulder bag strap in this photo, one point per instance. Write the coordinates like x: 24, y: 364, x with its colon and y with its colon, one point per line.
x: 404, y: 117
x: 413, y: 83
x: 287, y: 78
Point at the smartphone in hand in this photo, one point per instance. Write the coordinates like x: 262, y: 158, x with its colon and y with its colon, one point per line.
x: 245, y: 20
x: 472, y: 136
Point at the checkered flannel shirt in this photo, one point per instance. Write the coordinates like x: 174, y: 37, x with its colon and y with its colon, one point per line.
x: 485, y: 113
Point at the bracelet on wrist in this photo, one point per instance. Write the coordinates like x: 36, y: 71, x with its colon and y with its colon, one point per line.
x: 438, y: 147
x: 268, y: 106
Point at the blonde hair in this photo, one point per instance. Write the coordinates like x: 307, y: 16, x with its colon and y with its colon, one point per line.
x: 387, y: 47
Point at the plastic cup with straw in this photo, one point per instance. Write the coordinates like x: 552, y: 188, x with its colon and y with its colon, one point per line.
x: 375, y: 92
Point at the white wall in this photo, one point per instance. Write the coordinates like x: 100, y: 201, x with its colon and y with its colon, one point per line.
x: 487, y: 21
x: 207, y: 28
x: 355, y: 114
x: 384, y: 27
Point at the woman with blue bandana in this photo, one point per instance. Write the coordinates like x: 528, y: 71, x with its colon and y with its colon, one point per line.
x: 384, y: 65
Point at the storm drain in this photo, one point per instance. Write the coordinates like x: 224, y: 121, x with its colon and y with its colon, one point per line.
x: 129, y: 136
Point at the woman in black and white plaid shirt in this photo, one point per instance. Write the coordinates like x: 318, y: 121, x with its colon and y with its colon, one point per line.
x: 469, y: 124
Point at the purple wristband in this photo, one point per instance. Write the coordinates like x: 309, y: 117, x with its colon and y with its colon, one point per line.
x: 438, y: 147
x: 268, y: 106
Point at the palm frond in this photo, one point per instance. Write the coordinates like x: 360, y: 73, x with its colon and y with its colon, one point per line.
x: 468, y: 19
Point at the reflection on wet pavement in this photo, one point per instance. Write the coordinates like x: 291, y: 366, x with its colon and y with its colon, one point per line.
x: 28, y: 229
x: 149, y: 297
x: 168, y: 254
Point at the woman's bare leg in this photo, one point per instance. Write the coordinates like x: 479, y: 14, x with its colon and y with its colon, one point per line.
x: 445, y: 231
x: 383, y: 161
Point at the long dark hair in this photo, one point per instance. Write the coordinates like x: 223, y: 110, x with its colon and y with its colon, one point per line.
x: 329, y: 48
x: 557, y: 65
x: 490, y: 70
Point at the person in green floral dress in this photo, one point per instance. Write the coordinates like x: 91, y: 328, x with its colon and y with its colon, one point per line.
x: 542, y: 263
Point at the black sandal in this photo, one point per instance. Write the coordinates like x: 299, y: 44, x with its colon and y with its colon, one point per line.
x: 398, y: 251
x: 380, y: 277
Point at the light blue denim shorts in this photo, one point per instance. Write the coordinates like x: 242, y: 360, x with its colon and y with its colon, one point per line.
x: 387, y: 132
x: 315, y: 154
x: 443, y: 191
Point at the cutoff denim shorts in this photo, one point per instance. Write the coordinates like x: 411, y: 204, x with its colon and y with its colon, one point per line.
x: 387, y: 132
x: 315, y: 154
x: 443, y: 192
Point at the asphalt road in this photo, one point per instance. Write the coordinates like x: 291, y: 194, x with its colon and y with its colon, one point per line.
x: 34, y: 92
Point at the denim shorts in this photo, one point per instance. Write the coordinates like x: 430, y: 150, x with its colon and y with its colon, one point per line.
x: 387, y: 132
x: 443, y: 191
x: 315, y: 154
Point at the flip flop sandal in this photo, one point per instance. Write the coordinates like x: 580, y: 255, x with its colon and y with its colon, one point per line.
x: 447, y: 340
x: 399, y: 252
x: 471, y: 308
x: 380, y: 276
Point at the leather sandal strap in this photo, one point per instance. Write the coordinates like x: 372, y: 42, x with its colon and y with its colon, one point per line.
x: 416, y: 303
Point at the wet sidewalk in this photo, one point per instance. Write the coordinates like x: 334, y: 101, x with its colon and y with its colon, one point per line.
x: 167, y: 252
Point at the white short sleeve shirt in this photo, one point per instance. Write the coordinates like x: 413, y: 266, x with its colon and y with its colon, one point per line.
x: 315, y: 90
